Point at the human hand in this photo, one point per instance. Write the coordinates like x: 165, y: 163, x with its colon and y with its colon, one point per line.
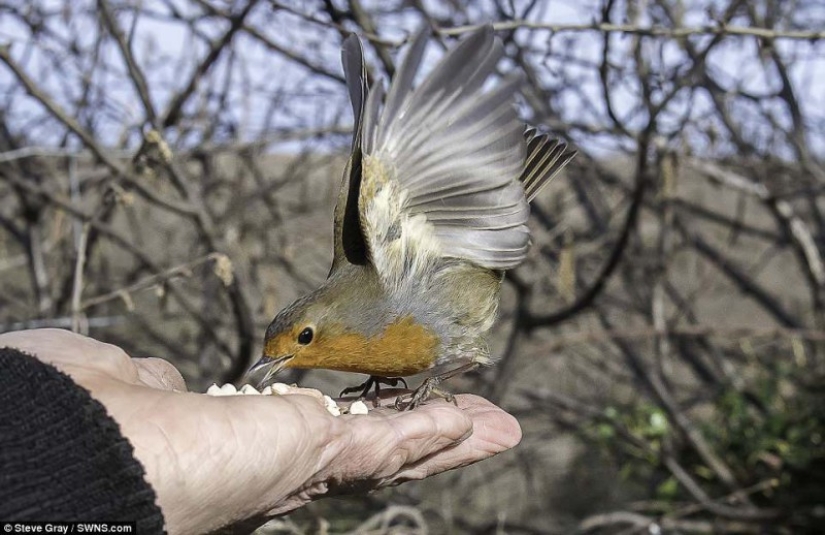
x: 218, y: 461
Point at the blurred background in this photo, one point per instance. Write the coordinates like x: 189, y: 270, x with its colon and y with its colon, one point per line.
x: 168, y: 170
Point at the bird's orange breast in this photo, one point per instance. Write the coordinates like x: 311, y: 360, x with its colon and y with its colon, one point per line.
x: 403, y: 348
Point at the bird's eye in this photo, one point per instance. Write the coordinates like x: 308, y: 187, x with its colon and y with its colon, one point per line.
x: 306, y: 336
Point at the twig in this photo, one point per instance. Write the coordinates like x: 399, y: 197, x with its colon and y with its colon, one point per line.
x: 382, y: 521
x: 173, y: 111
x: 696, y: 331
x: 736, y: 274
x: 532, y: 321
x: 77, y: 286
x: 62, y: 116
x: 182, y: 270
x: 135, y: 72
x: 364, y: 20
x: 673, y: 33
x: 799, y: 231
x: 665, y: 399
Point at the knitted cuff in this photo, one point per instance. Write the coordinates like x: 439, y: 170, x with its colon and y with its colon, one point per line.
x: 62, y: 457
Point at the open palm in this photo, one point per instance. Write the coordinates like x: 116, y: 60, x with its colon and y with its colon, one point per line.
x: 218, y: 461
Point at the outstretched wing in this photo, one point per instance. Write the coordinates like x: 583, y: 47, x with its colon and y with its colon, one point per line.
x: 348, y: 240
x: 442, y: 163
x: 447, y: 167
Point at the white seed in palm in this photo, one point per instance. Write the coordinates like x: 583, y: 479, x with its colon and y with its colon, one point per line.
x: 281, y: 389
x: 225, y: 390
x: 359, y: 407
x: 249, y: 390
x: 331, y: 406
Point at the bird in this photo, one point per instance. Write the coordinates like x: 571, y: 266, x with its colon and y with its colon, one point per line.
x: 432, y: 211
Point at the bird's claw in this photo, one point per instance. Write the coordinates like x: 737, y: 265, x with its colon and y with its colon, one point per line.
x: 364, y: 388
x: 373, y: 382
x: 423, y: 393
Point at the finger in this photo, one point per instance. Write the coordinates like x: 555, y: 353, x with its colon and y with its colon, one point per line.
x: 499, y: 429
x: 382, y: 444
x: 71, y: 352
x: 159, y: 373
x: 436, y: 417
x: 494, y: 431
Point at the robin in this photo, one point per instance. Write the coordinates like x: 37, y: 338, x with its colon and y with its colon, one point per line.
x: 431, y: 212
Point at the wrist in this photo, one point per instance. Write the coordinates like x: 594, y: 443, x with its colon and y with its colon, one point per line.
x: 242, y: 458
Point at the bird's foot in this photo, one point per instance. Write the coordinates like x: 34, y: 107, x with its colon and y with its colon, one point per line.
x: 373, y: 382
x: 430, y: 387
x: 424, y: 392
x: 448, y: 396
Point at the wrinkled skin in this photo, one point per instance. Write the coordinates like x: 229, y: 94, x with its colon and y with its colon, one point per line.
x: 221, y: 461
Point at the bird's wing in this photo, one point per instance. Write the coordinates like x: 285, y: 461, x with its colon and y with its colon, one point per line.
x: 442, y: 164
x: 349, y: 244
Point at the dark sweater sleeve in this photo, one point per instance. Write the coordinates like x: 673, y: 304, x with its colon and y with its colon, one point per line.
x: 62, y: 457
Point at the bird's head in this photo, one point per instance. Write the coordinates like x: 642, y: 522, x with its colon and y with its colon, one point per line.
x: 331, y: 328
x: 346, y: 325
x: 295, y: 338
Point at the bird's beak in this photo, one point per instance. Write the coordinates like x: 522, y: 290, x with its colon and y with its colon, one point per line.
x: 272, y: 365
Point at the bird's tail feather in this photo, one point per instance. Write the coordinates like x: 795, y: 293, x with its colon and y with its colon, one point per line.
x: 546, y: 156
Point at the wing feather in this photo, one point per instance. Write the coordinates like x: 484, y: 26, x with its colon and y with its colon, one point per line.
x: 349, y: 244
x: 455, y: 152
x: 448, y: 167
x: 545, y: 158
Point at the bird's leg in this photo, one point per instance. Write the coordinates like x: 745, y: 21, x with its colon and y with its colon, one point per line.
x: 429, y: 387
x: 448, y: 396
x: 364, y: 388
x: 373, y: 381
